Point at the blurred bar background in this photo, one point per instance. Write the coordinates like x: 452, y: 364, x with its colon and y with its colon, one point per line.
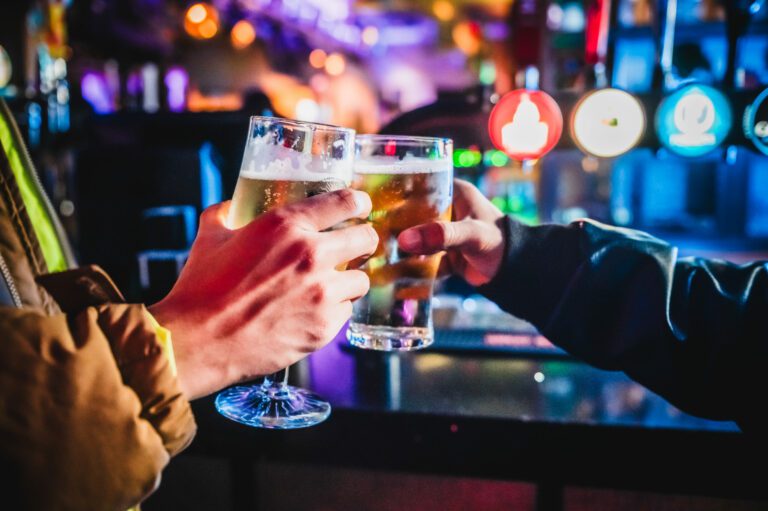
x: 135, y: 112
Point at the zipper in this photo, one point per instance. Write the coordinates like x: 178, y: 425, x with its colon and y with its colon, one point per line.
x: 65, y: 248
x: 11, y: 284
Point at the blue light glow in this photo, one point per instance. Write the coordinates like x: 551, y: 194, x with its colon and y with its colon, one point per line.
x: 694, y: 120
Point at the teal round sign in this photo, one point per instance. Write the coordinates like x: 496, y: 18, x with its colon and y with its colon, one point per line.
x: 756, y: 122
x: 694, y: 120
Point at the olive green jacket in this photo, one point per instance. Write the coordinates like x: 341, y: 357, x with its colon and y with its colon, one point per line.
x: 90, y: 406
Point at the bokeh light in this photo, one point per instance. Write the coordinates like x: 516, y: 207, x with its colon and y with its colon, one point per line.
x: 197, y: 13
x: 335, y: 64
x: 370, y: 35
x: 443, y: 10
x: 5, y: 68
x: 468, y: 37
x: 317, y: 58
x: 201, y: 21
x: 243, y: 34
x: 756, y: 122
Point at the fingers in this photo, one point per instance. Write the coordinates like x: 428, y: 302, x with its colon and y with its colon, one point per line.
x: 345, y: 245
x: 323, y: 211
x: 438, y: 236
x: 350, y: 285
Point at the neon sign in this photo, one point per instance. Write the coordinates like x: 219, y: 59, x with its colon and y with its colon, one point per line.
x: 694, y: 120
x: 756, y: 122
x: 5, y: 68
x: 607, y: 123
x: 525, y: 124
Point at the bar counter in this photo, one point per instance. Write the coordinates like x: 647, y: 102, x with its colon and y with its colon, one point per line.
x: 548, y: 420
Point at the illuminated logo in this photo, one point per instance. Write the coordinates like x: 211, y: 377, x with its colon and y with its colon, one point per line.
x: 756, y: 122
x: 525, y: 124
x: 607, y: 123
x: 5, y: 68
x: 694, y: 120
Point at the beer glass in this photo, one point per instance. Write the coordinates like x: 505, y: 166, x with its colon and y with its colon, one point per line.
x: 410, y: 181
x: 284, y: 161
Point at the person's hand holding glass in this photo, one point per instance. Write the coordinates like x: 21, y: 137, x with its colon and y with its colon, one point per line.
x: 284, y: 162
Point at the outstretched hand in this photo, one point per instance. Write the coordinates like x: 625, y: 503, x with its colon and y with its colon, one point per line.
x: 473, y: 241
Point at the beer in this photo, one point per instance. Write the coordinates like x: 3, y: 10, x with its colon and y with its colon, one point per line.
x: 254, y: 195
x: 396, y: 312
x: 284, y: 161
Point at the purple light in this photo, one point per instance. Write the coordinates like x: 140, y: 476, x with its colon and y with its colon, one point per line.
x: 95, y: 91
x: 176, y: 81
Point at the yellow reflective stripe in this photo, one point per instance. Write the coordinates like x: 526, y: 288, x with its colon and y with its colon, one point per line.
x: 164, y: 338
x: 33, y: 201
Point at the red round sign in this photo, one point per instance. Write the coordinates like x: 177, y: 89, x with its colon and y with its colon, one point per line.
x: 525, y: 124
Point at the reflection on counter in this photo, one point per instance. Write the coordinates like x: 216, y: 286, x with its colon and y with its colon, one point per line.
x: 482, y: 385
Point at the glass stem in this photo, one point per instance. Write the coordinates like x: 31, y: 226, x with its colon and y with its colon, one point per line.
x: 278, y: 379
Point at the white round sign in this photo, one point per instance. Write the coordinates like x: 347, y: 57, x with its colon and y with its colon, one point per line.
x: 608, y: 122
x: 5, y: 68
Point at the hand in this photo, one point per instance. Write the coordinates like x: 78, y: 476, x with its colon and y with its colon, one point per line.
x: 474, y: 241
x: 254, y: 300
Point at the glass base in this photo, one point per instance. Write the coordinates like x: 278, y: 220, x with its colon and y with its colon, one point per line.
x: 275, y: 406
x: 389, y: 338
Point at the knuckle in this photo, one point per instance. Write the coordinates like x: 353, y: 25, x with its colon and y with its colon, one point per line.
x: 308, y: 257
x: 438, y: 234
x: 319, y: 333
x: 317, y: 294
x: 280, y: 220
x: 346, y: 199
x: 276, y: 223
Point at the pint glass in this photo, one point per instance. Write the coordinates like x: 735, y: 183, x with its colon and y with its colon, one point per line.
x: 284, y: 161
x: 410, y: 181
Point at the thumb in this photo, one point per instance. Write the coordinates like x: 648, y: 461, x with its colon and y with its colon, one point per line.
x: 438, y: 236
x: 215, y: 215
x: 213, y: 224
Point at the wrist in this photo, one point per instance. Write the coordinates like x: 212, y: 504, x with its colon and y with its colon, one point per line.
x: 196, y: 373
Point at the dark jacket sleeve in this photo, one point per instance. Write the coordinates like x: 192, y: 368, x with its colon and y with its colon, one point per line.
x: 692, y: 330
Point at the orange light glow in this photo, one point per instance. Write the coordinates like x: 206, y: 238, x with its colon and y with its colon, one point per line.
x: 317, y: 58
x: 370, y: 35
x: 443, y: 10
x: 467, y: 36
x: 335, y: 64
x: 197, y: 13
x: 201, y: 21
x: 198, y: 102
x: 243, y: 34
x: 208, y: 29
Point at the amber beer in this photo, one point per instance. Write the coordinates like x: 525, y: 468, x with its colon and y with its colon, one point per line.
x: 254, y: 196
x: 396, y: 312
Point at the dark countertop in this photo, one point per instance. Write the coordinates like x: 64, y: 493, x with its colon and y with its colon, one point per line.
x: 551, y: 420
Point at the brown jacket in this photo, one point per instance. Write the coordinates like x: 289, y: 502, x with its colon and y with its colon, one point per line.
x: 90, y: 407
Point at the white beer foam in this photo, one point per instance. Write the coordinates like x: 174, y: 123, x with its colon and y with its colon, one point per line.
x: 394, y: 165
x: 273, y: 162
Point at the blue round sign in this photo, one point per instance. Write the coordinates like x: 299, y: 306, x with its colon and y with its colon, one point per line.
x: 694, y: 120
x: 756, y: 122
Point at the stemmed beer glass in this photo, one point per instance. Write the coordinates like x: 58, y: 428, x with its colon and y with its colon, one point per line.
x: 284, y: 161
